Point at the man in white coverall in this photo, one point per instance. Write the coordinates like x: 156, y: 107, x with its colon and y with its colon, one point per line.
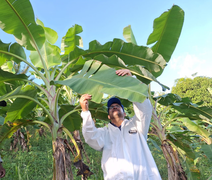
x: 126, y: 155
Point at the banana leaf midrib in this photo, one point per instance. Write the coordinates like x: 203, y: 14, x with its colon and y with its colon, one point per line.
x: 11, y: 79
x: 26, y: 27
x: 32, y: 99
x: 146, y: 77
x: 202, y: 111
x: 30, y: 35
x: 25, y: 61
x: 115, y: 52
x: 159, y: 40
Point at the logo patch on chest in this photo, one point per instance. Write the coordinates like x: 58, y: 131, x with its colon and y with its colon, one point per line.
x: 132, y: 131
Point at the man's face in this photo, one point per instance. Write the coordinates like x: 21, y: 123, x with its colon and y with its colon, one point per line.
x: 115, y: 110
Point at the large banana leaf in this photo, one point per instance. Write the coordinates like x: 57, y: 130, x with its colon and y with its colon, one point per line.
x: 19, y: 109
x: 98, y: 111
x: 143, y: 74
x: 96, y: 79
x: 167, y: 29
x: 181, y: 142
x: 72, y: 122
x: 71, y: 39
x: 69, y: 42
x: 131, y: 55
x: 197, y: 129
x: 11, y: 54
x: 8, y: 51
x: 4, y: 89
x: 9, y: 66
x: 50, y: 53
x: 193, y: 111
x: 185, y: 106
x: 113, y: 61
x: 23, y: 104
x: 17, y: 18
x: 3, y: 57
x: 75, y: 66
x: 50, y: 34
x: 9, y: 81
x: 7, y: 76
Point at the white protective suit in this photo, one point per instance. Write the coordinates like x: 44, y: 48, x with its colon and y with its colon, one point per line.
x: 126, y: 155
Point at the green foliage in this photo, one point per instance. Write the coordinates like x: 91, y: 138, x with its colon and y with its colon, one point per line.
x: 71, y: 39
x: 128, y: 35
x: 166, y: 34
x: 187, y: 126
x: 23, y: 23
x: 50, y: 65
x: 45, y: 57
x: 119, y: 54
x: 49, y: 52
x: 195, y: 89
x: 72, y: 122
x: 100, y: 82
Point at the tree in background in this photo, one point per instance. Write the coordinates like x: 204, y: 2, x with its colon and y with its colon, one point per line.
x: 195, y: 89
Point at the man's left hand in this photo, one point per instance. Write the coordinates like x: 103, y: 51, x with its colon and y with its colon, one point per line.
x: 123, y: 72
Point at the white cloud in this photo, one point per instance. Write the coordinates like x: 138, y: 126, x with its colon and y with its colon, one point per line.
x: 184, y: 66
x: 189, y: 64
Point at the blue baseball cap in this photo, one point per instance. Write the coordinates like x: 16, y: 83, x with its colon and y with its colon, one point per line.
x: 112, y: 101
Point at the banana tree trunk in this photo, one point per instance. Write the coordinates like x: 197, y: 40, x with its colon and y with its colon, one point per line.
x: 62, y: 162
x: 175, y: 170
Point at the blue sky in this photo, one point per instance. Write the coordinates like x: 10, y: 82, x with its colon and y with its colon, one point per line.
x: 104, y: 20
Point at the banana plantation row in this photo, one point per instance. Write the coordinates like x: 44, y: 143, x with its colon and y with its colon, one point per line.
x: 70, y: 71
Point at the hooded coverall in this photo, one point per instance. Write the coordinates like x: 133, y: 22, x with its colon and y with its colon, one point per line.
x: 126, y: 155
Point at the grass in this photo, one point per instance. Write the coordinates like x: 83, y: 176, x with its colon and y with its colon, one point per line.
x: 36, y: 164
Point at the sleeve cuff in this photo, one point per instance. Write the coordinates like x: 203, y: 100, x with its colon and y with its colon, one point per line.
x: 84, y: 113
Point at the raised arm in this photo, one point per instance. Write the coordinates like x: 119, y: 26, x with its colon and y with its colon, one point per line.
x: 142, y: 117
x: 143, y: 111
x: 93, y: 136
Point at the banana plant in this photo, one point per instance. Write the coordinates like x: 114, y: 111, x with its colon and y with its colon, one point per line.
x: 179, y: 129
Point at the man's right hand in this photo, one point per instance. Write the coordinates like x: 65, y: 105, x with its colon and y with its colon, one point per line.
x: 84, y: 101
